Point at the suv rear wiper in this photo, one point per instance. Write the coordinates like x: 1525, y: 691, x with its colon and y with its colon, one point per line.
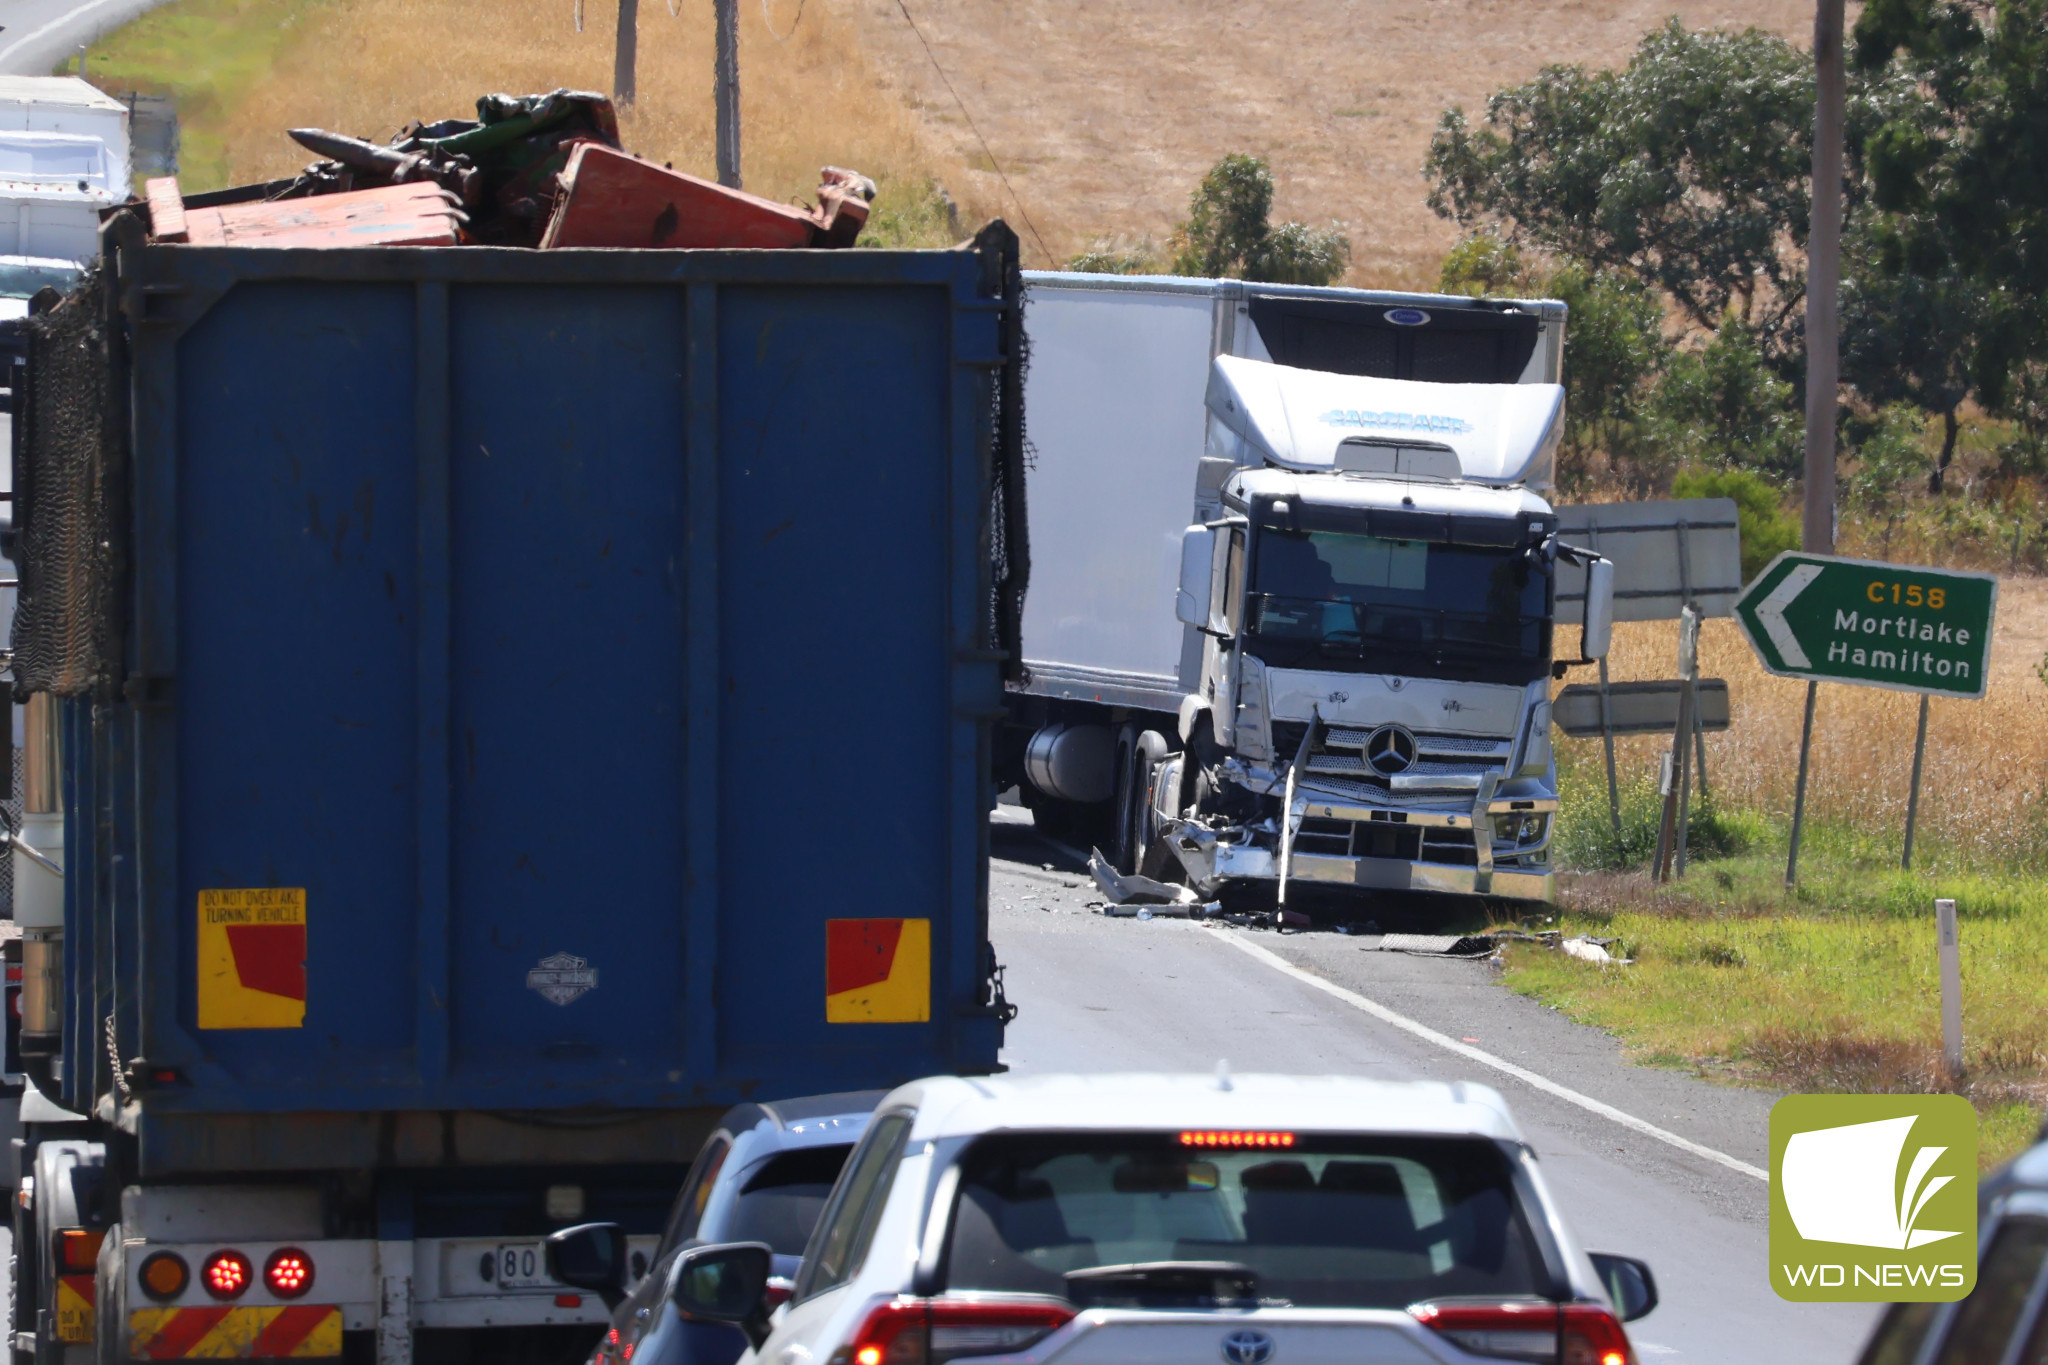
x: 1164, y: 1284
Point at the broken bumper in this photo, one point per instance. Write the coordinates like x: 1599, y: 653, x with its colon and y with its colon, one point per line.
x: 1211, y: 863
x: 1235, y: 862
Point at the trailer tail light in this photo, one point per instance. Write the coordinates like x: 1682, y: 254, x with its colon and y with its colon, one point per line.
x: 288, y: 1272
x: 78, y: 1250
x: 164, y: 1275
x: 226, y: 1274
x: 1530, y: 1330
x: 934, y: 1331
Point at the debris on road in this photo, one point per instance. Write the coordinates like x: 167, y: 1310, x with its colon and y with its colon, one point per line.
x: 529, y: 171
x: 1132, y: 889
x: 1437, y: 945
x: 1593, y: 950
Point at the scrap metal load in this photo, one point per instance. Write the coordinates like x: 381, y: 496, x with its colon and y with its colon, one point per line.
x: 543, y: 171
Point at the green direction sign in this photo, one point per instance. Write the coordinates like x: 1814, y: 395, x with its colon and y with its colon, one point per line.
x: 1882, y: 625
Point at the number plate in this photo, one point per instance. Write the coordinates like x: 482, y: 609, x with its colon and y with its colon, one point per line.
x: 521, y: 1265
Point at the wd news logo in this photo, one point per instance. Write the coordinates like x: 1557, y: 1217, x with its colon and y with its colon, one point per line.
x: 1873, y: 1198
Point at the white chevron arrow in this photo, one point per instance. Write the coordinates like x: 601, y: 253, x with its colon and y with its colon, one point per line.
x: 1771, y: 611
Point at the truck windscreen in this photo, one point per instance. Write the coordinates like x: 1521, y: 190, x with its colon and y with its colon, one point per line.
x: 1360, y: 603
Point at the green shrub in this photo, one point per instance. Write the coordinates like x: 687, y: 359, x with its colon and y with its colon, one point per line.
x: 1768, y: 528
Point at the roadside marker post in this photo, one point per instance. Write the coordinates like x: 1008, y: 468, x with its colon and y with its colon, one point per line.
x: 1822, y: 618
x: 1951, y: 987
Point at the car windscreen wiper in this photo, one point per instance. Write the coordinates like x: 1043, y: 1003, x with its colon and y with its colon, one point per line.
x: 1164, y: 1284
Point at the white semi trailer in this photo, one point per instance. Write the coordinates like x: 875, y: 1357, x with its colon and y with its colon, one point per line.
x: 1292, y: 595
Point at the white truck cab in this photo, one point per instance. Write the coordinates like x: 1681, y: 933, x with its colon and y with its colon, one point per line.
x: 1342, y: 494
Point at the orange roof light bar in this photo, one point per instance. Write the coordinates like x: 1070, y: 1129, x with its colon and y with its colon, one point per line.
x: 1236, y: 1138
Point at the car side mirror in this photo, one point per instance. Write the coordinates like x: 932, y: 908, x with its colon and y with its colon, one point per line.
x: 1599, y: 628
x: 592, y: 1257
x: 1197, y: 575
x: 1628, y: 1282
x: 725, y: 1283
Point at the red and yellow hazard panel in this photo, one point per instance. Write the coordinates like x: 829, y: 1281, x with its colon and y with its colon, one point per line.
x: 252, y: 957
x: 878, y: 971
x: 302, y: 1331
x: 74, y: 1308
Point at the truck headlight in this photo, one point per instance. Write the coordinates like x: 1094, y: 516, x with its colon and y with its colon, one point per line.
x: 1518, y: 829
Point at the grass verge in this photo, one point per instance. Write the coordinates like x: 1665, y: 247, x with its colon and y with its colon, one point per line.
x: 1830, y: 987
x: 207, y: 55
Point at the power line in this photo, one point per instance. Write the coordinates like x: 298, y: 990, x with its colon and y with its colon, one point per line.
x: 985, y: 151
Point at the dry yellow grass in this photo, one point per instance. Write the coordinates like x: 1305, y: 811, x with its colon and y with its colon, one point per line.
x: 1987, y: 761
x: 369, y: 67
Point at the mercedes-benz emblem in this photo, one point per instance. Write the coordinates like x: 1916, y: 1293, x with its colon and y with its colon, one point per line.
x: 1390, y: 750
x: 1247, y: 1346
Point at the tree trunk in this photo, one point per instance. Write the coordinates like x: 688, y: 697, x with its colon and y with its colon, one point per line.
x: 1948, y: 451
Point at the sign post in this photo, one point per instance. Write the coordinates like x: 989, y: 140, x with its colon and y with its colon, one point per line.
x: 1826, y: 619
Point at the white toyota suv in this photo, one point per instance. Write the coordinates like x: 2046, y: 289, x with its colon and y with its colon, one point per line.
x: 1182, y: 1220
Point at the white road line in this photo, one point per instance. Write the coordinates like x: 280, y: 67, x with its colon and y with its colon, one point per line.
x: 1473, y: 1054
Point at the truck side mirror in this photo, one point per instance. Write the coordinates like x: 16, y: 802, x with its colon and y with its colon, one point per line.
x: 1599, y: 627
x: 1197, y: 560
x: 727, y: 1283
x: 592, y: 1257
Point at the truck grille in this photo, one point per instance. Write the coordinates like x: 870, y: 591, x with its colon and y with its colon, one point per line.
x: 1337, y: 763
x: 1375, y: 839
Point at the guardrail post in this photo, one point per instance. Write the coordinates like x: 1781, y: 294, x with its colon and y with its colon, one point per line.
x: 1951, y: 988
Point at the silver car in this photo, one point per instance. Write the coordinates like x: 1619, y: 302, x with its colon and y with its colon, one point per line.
x: 1184, y: 1220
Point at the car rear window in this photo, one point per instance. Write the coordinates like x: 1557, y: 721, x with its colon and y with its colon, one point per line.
x: 780, y: 1202
x: 1330, y: 1221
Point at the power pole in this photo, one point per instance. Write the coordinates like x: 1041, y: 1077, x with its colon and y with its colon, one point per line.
x: 1823, y: 281
x: 725, y: 88
x: 623, y: 55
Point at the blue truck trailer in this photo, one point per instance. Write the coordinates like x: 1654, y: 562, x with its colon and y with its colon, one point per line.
x: 489, y: 711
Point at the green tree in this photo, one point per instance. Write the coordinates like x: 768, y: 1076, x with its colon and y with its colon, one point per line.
x: 1962, y: 180
x: 1687, y: 169
x: 1230, y: 234
x: 1483, y: 265
x: 1614, y: 347
x: 1767, y: 528
x: 1723, y: 405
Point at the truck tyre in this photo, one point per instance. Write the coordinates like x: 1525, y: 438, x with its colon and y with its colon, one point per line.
x: 1138, y: 765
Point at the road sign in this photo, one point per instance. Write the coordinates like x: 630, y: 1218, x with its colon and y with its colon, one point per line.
x: 1637, y: 708
x: 1879, y: 625
x: 1665, y: 554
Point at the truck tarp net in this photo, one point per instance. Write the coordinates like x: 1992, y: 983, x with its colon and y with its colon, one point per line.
x: 67, y: 456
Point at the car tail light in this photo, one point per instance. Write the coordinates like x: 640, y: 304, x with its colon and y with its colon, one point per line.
x: 288, y: 1272
x: 226, y: 1274
x: 78, y: 1250
x: 1236, y: 1138
x: 780, y: 1287
x: 1593, y: 1336
x: 1530, y: 1330
x: 934, y: 1331
x: 164, y: 1275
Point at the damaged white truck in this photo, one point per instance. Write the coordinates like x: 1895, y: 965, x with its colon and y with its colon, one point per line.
x: 1294, y: 585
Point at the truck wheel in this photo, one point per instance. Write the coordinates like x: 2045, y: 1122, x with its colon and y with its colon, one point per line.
x: 1135, y: 825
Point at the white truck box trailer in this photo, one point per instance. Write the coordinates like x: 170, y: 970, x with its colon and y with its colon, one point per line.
x: 1266, y: 638
x: 63, y: 159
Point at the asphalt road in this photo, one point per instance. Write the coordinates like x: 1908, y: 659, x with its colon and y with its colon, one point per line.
x: 1100, y: 994
x: 35, y: 35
